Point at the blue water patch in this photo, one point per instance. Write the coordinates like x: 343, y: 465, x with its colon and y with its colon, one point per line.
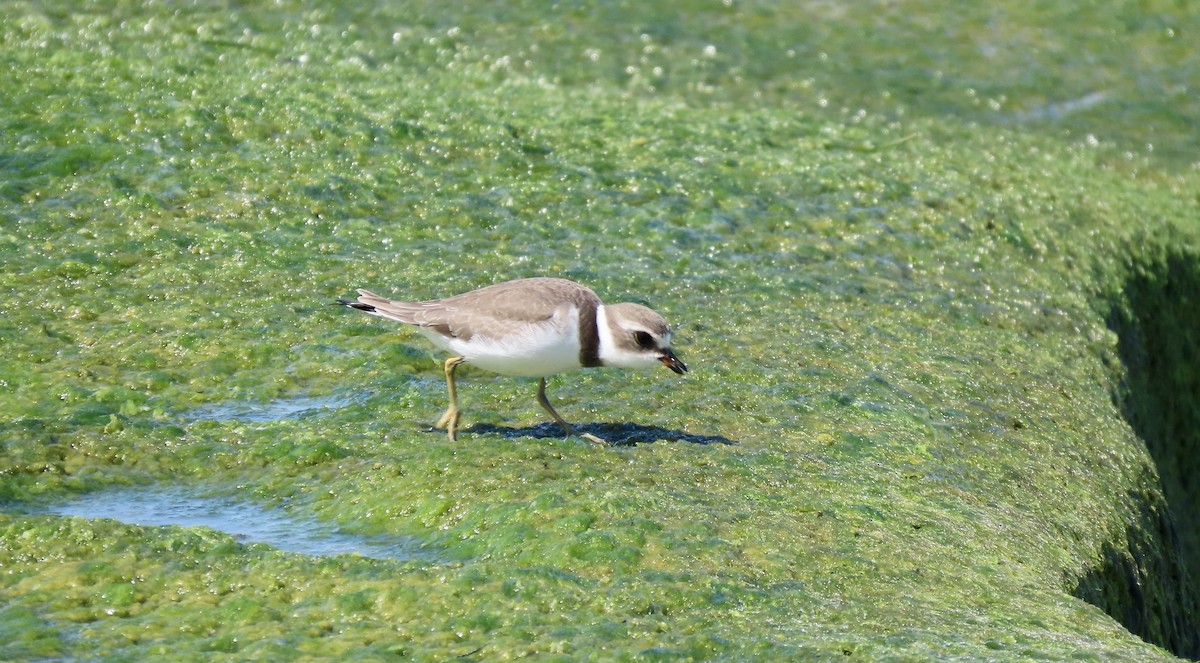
x: 295, y: 407
x: 244, y: 521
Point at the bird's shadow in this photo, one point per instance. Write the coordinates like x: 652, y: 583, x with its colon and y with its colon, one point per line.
x: 620, y: 434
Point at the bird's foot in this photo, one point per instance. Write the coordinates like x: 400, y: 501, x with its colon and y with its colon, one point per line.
x: 570, y: 431
x: 592, y: 438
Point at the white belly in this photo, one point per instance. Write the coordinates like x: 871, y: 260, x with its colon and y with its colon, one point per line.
x: 540, y: 351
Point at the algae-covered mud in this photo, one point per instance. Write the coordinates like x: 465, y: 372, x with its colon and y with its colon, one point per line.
x: 934, y: 274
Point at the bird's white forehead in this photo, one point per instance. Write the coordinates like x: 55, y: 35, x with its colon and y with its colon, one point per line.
x: 663, y: 339
x: 630, y: 325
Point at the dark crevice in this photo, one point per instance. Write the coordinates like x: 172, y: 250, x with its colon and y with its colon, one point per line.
x: 1141, y: 582
x: 1149, y: 581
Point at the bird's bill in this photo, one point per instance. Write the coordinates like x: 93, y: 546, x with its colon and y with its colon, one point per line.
x: 672, y: 362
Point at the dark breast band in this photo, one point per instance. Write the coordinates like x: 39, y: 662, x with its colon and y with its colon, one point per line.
x: 589, y: 334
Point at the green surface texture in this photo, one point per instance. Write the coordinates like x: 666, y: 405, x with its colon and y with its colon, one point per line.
x: 935, y: 269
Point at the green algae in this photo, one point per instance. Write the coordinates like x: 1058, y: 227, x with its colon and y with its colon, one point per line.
x: 899, y: 320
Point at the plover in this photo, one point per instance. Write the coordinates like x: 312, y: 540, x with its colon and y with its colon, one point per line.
x: 534, y: 327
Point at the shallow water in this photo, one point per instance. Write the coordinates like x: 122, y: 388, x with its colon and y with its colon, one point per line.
x: 245, y: 521
x: 296, y: 407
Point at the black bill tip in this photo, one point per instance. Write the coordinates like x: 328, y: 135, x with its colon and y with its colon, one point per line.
x: 672, y: 362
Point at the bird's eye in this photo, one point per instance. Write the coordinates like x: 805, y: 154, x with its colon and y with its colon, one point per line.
x: 644, y: 340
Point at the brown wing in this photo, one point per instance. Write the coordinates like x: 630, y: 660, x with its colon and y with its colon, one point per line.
x: 494, y: 310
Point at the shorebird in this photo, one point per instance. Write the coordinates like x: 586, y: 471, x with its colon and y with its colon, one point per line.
x: 534, y: 327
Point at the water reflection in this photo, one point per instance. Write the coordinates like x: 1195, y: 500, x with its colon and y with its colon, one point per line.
x: 247, y: 522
